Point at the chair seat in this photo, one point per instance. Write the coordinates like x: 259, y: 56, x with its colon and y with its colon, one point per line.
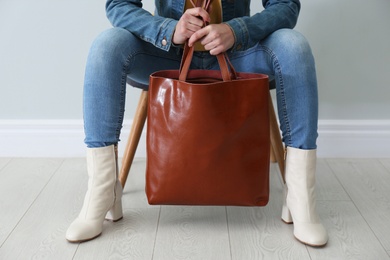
x: 139, y: 83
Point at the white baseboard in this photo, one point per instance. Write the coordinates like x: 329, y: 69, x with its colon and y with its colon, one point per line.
x: 354, y: 138
x: 51, y: 138
x: 64, y: 138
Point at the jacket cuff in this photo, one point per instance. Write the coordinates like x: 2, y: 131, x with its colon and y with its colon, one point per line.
x: 165, y: 36
x: 241, y: 34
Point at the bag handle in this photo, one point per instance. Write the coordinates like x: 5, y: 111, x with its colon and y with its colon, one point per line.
x: 223, y: 59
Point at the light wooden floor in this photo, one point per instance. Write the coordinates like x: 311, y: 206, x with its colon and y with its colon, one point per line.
x: 40, y: 197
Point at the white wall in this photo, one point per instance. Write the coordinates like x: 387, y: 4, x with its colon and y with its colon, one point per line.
x: 44, y: 44
x: 43, y: 49
x: 351, y: 42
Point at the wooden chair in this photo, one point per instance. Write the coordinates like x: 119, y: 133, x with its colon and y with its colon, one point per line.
x: 277, y: 150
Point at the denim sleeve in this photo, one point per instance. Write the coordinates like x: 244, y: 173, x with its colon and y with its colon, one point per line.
x: 277, y: 14
x: 130, y: 15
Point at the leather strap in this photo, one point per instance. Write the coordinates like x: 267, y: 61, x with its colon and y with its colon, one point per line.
x: 223, y: 59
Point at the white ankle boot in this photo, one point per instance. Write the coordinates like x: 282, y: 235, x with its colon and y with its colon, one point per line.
x: 300, y: 203
x: 103, y: 199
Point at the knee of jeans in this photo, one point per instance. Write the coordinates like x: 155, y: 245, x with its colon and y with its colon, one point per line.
x: 112, y: 44
x: 291, y: 41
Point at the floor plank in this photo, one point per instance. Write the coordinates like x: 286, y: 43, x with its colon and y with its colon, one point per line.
x: 258, y: 232
x: 132, y: 237
x: 3, y: 163
x: 41, y: 232
x: 22, y: 180
x: 134, y: 193
x: 349, y: 235
x: 198, y: 233
x: 368, y: 184
x: 327, y: 185
x: 386, y: 164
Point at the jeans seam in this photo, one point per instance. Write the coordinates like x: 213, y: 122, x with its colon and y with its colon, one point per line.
x: 280, y: 92
x: 122, y: 97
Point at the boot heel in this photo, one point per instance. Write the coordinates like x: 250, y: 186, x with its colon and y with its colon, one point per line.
x: 116, y: 212
x: 286, y: 215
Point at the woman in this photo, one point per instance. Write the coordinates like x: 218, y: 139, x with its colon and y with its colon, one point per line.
x: 141, y: 43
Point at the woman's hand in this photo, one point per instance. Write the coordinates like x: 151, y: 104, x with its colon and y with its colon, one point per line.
x: 216, y: 38
x: 190, y: 22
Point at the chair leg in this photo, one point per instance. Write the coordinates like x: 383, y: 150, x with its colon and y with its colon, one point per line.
x: 276, y: 140
x: 135, y: 135
x: 272, y: 155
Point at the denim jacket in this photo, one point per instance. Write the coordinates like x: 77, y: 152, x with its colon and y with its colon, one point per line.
x: 158, y: 29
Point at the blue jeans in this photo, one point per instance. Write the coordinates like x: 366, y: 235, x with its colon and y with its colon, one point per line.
x: 117, y: 53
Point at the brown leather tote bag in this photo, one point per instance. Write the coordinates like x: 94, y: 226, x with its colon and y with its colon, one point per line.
x: 208, y: 139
